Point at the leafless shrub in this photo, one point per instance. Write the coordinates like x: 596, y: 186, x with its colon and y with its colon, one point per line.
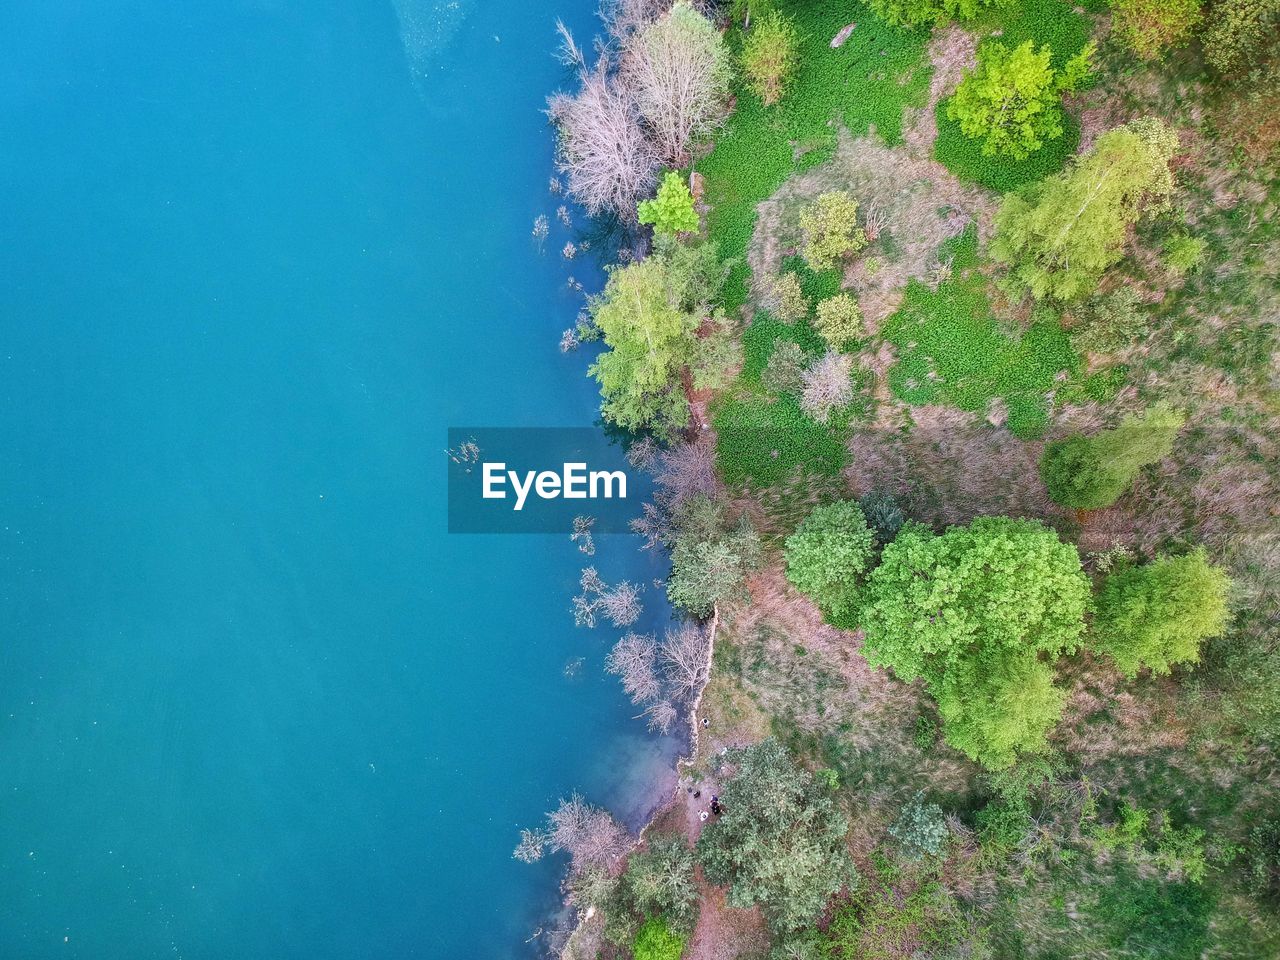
x: 874, y: 221
x: 562, y: 214
x: 623, y: 19
x: 634, y: 659
x: 684, y: 470
x: 620, y: 605
x: 653, y: 524
x: 569, y: 251
x: 602, y: 150
x: 541, y: 227
x: 582, y: 534
x: 678, y: 68
x: 828, y: 386
x: 683, y: 655
x: 568, y: 52
x: 590, y: 836
x: 643, y: 454
x: 554, y: 185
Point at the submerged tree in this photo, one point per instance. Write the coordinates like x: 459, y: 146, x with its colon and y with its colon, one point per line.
x: 1060, y: 235
x: 780, y: 841
x: 1092, y: 472
x: 590, y: 836
x: 1156, y: 616
x: 980, y: 613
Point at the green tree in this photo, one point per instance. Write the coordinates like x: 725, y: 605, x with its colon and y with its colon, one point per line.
x: 1012, y: 100
x: 660, y: 880
x: 921, y: 828
x: 1157, y: 615
x: 827, y: 556
x: 1092, y: 472
x: 787, y: 299
x: 672, y: 210
x: 1150, y: 27
x: 831, y: 231
x: 838, y: 320
x: 769, y: 56
x: 780, y: 841
x: 648, y: 314
x: 710, y: 556
x: 1060, y: 235
x: 657, y: 941
x: 979, y: 613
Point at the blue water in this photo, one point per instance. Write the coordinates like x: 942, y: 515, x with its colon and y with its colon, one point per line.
x: 255, y: 257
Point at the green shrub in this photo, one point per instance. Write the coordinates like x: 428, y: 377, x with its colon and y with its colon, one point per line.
x: 1183, y: 252
x: 884, y: 516
x: 1150, y: 27
x: 827, y: 556
x: 769, y: 56
x: 1092, y: 472
x: 1238, y: 34
x: 830, y: 230
x: 672, y: 210
x: 921, y: 829
x: 839, y: 320
x: 785, y: 369
x: 1012, y: 100
x: 710, y: 557
x: 1156, y: 616
x: 656, y: 941
x: 916, y: 13
x: 1110, y: 322
x: 788, y: 299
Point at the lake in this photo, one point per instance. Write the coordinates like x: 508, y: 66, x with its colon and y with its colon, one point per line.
x: 257, y: 258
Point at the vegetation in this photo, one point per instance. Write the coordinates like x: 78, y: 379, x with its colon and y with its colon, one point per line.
x: 671, y: 211
x: 831, y: 231
x: 827, y: 556
x: 1150, y: 27
x: 769, y: 56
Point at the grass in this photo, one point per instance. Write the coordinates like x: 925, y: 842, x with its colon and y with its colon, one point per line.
x: 865, y: 83
x: 951, y: 349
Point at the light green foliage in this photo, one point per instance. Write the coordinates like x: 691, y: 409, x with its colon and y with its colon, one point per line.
x: 839, y: 320
x: 711, y: 555
x: 1181, y: 851
x: 656, y: 941
x: 717, y: 354
x: 671, y: 211
x: 1061, y: 235
x: 921, y: 829
x: 769, y: 55
x: 952, y: 350
x: 789, y: 301
x: 784, y: 371
x: 1183, y: 252
x: 830, y: 229
x: 1130, y: 830
x: 647, y: 316
x: 1157, y: 615
x: 827, y: 556
x: 1239, y: 34
x: 919, y: 12
x: 884, y: 516
x: 1092, y: 472
x: 973, y: 611
x: 1107, y: 323
x: 780, y: 842
x: 1150, y: 27
x: 1012, y: 100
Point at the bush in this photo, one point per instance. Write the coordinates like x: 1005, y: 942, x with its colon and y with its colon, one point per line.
x: 1092, y: 472
x: 710, y: 557
x: 1012, y: 99
x: 1239, y: 33
x: 1157, y: 615
x: 769, y: 56
x: 780, y: 841
x: 656, y: 941
x: 788, y: 299
x: 672, y: 210
x: 973, y: 612
x: 1107, y: 323
x: 884, y: 516
x: 827, y: 556
x: 1150, y: 27
x: 839, y: 320
x: 921, y: 828
x: 784, y: 373
x: 1183, y: 253
x: 831, y: 231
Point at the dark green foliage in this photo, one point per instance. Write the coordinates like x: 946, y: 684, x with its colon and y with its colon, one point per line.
x: 827, y: 556
x: 659, y: 880
x: 1109, y: 322
x: 1153, y: 919
x: 951, y: 350
x: 963, y: 155
x: 764, y: 441
x: 1263, y: 855
x: 884, y: 516
x: 780, y: 842
x: 1092, y: 472
x: 921, y: 828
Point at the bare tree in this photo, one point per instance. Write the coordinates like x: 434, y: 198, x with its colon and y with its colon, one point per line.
x: 662, y: 716
x: 590, y: 836
x: 634, y: 659
x: 828, y: 386
x: 602, y: 149
x: 619, y: 604
x: 684, y: 470
x: 678, y: 68
x: 653, y: 524
x: 683, y: 654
